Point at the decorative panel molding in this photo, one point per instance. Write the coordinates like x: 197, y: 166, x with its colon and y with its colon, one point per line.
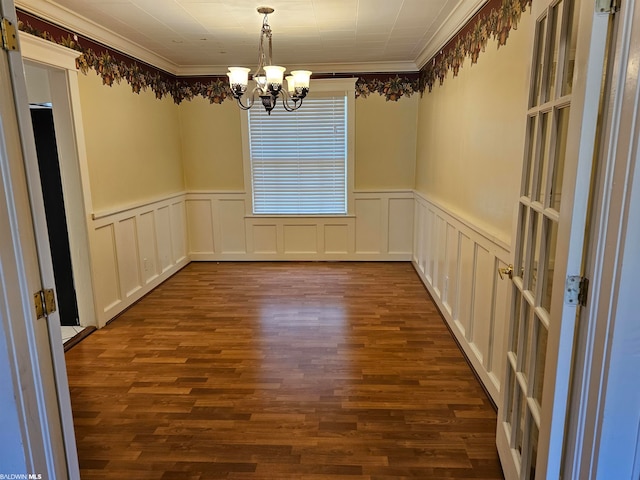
x: 400, y: 214
x: 369, y: 227
x: 147, y: 246
x: 459, y: 263
x: 200, y: 226
x: 163, y: 225
x: 337, y: 239
x: 127, y: 254
x: 178, y: 225
x: 106, y: 278
x: 220, y: 228
x: 264, y: 239
x: 300, y: 238
x: 232, y: 230
x: 134, y: 249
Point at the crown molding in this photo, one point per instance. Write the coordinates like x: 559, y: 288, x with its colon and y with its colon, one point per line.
x: 51, y: 11
x: 324, y: 68
x: 458, y: 18
x: 57, y: 14
x: 364, y: 67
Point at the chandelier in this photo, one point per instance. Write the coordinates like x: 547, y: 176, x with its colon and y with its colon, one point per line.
x: 268, y: 77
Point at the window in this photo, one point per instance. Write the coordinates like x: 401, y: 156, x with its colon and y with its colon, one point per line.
x: 299, y: 161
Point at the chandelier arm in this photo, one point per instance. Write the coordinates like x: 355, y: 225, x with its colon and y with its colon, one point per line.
x: 250, y: 103
x: 287, y: 106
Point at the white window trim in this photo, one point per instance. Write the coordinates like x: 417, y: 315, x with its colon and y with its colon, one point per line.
x: 327, y: 86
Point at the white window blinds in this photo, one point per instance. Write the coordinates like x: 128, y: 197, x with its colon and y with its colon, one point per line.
x: 299, y: 159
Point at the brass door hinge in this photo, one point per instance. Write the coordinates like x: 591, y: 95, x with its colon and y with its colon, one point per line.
x: 9, y: 35
x: 608, y: 7
x: 576, y: 289
x: 45, y: 302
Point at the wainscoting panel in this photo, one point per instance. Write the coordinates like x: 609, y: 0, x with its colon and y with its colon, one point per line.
x: 465, y: 282
x: 221, y: 227
x: 400, y: 225
x: 300, y: 239
x: 148, y: 246
x: 458, y: 263
x: 163, y: 225
x: 128, y: 256
x: 368, y: 225
x: 429, y: 235
x: 178, y: 225
x: 200, y: 226
x: 264, y: 239
x: 450, y: 294
x: 133, y: 249
x: 231, y: 225
x: 106, y: 281
x: 337, y: 239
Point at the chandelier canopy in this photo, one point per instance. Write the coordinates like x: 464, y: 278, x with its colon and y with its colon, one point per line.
x: 268, y: 77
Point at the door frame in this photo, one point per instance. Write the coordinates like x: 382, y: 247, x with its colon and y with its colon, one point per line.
x: 60, y: 63
x: 604, y: 439
x: 65, y: 97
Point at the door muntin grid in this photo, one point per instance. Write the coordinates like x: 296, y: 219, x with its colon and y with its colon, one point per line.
x: 536, y: 235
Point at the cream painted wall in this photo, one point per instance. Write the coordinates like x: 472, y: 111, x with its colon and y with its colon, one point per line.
x: 386, y: 135
x: 471, y: 135
x: 211, y: 145
x: 385, y: 144
x: 141, y: 148
x: 133, y: 144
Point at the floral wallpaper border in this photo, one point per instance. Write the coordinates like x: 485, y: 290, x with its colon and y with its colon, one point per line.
x: 495, y: 20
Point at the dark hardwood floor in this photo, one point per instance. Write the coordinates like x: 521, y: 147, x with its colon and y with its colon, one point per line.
x: 281, y: 371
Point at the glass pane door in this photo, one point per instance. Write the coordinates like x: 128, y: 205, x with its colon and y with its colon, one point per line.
x: 536, y: 237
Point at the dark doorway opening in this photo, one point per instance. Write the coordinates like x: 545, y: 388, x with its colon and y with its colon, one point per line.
x: 51, y: 181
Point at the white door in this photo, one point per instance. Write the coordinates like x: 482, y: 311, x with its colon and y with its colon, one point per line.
x: 562, y: 124
x: 34, y: 344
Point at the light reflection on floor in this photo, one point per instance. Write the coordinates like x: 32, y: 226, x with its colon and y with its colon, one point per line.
x: 302, y: 345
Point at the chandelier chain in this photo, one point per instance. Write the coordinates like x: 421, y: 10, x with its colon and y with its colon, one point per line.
x: 265, y: 59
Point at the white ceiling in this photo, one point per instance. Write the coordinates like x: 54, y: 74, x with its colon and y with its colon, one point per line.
x: 205, y: 36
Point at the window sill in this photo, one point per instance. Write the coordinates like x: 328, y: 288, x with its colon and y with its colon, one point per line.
x: 321, y: 215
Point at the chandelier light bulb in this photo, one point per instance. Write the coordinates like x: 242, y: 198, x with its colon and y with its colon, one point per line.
x: 274, y: 77
x: 291, y: 85
x: 301, y: 78
x: 238, y: 80
x: 261, y: 82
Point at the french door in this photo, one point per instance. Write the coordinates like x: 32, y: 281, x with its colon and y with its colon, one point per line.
x: 39, y: 440
x: 568, y: 59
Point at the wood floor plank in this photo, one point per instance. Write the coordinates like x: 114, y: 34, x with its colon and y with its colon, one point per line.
x: 279, y: 371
